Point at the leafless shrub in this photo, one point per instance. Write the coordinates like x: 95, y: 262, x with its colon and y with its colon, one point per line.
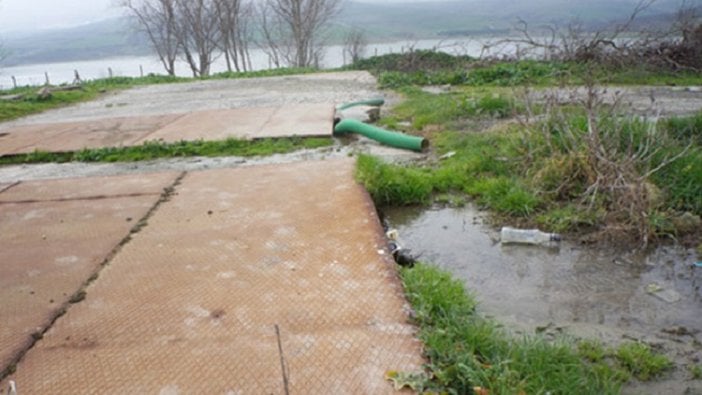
x: 198, y: 33
x: 158, y: 19
x: 291, y: 30
x: 233, y: 18
x: 355, y: 44
x: 625, y: 44
x: 601, y: 159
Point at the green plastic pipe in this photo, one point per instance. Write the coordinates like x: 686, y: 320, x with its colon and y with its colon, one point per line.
x: 376, y: 102
x: 393, y: 139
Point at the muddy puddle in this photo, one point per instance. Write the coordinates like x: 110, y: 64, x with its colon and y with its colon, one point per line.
x: 580, y: 291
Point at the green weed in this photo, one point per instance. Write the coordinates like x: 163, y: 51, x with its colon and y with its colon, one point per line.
x: 446, y: 109
x: 437, y: 68
x: 685, y: 129
x: 156, y: 149
x: 592, y: 350
x: 695, y: 371
x: 466, y: 350
x: 638, y: 359
x: 569, y: 217
x: 390, y: 184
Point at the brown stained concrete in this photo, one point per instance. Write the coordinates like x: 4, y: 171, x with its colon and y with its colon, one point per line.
x: 250, y: 123
x: 299, y: 120
x: 53, y: 240
x: 18, y: 139
x: 241, y: 271
x: 214, y: 125
x: 74, y: 136
x: 88, y: 188
x: 241, y: 123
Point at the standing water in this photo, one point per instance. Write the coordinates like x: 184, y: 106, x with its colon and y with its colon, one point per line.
x: 587, y: 290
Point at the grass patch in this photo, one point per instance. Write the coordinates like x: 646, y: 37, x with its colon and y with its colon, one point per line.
x: 542, y: 173
x: 437, y: 68
x: 466, y: 350
x: 695, y: 371
x: 478, y: 169
x: 390, y: 184
x: 422, y: 108
x: 156, y: 150
x: 638, y: 359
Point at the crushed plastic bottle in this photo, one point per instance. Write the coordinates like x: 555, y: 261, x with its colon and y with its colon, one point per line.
x: 527, y: 236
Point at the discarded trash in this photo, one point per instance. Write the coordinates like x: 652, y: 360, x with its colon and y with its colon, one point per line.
x: 403, y: 257
x: 527, y: 236
x: 12, y: 388
x: 653, y: 288
x: 697, y: 264
x: 666, y: 295
x: 393, y: 139
x: 447, y: 155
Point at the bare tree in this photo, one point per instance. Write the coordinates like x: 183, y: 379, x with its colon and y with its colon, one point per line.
x: 292, y: 28
x: 233, y: 16
x: 355, y: 44
x: 158, y: 19
x: 198, y: 34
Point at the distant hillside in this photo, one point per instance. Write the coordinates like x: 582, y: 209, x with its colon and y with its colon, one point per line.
x: 111, y: 37
x: 380, y: 21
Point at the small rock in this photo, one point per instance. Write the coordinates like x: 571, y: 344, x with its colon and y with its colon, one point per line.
x: 373, y: 114
x: 668, y: 296
x: 677, y: 331
x: 44, y: 93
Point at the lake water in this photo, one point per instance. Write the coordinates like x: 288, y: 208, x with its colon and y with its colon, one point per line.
x: 34, y: 74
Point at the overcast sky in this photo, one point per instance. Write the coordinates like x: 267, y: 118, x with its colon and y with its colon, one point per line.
x: 42, y: 14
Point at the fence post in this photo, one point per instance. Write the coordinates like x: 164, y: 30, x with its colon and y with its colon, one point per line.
x: 76, y: 77
x: 141, y: 71
x: 46, y: 75
x: 14, y: 82
x: 109, y: 72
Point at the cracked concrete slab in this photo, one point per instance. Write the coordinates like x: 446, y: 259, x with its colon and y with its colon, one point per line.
x: 247, y: 280
x: 249, y: 123
x: 53, y: 240
x: 213, y: 125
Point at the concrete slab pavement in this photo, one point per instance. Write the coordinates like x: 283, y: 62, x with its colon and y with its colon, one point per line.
x: 54, y: 236
x: 249, y: 123
x: 243, y: 123
x: 268, y: 279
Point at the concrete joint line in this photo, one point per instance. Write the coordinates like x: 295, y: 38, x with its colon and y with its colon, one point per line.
x: 14, y: 184
x: 275, y: 111
x: 143, y: 139
x: 81, y: 293
x: 283, y: 364
x: 85, y: 198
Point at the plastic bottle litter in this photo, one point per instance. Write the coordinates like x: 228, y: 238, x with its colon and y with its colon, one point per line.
x: 527, y: 236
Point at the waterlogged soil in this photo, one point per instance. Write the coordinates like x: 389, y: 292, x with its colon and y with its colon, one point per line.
x: 568, y: 289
